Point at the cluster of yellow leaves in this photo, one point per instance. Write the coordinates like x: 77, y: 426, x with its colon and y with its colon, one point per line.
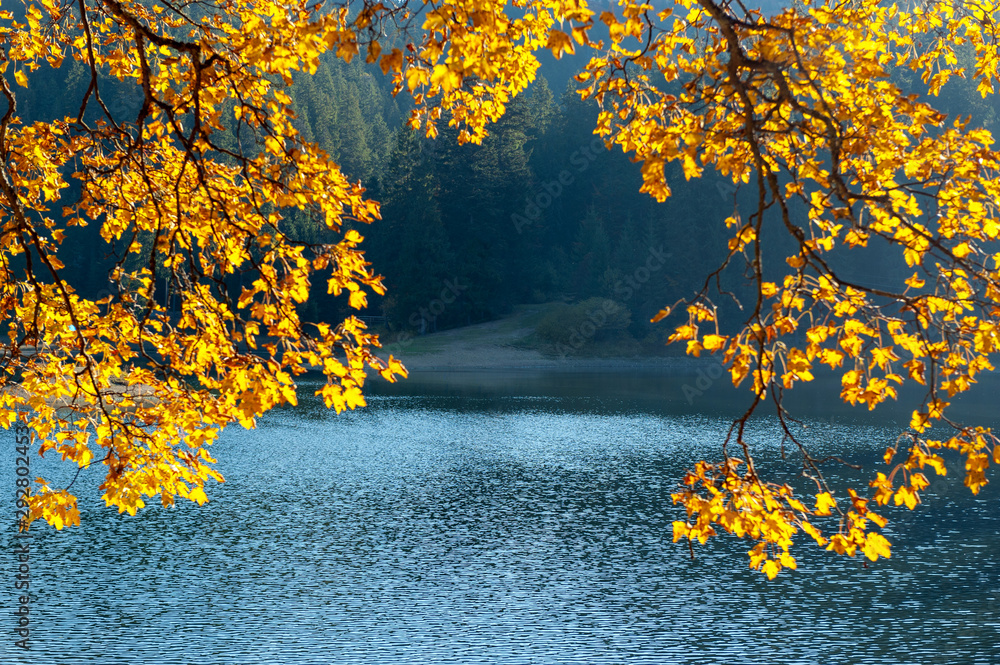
x: 721, y: 495
x: 476, y: 55
x: 803, y: 103
x: 126, y: 382
x: 122, y: 381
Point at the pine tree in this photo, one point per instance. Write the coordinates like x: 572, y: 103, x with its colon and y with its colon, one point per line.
x: 410, y: 242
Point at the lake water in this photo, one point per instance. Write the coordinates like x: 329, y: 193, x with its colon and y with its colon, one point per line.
x: 500, y: 517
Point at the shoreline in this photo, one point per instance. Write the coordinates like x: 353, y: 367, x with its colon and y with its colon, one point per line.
x: 504, y: 344
x: 491, y: 359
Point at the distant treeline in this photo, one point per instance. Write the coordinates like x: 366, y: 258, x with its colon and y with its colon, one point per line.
x: 540, y: 212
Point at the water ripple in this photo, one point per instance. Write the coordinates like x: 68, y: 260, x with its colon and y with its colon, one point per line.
x: 491, y: 530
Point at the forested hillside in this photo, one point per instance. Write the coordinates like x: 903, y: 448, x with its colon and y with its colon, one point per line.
x: 540, y: 212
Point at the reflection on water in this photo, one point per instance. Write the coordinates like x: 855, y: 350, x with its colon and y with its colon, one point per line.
x: 525, y: 523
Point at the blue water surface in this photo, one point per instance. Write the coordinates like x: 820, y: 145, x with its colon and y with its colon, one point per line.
x: 506, y: 518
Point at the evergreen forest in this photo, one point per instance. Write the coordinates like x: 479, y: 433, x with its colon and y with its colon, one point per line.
x: 541, y: 212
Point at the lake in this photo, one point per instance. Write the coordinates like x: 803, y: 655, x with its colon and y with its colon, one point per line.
x: 502, y: 517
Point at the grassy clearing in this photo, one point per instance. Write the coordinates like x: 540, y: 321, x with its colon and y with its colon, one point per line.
x: 530, y: 333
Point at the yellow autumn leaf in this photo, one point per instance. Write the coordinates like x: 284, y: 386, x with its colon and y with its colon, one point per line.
x: 559, y: 43
x: 875, y: 546
x: 714, y: 342
x: 659, y: 316
x: 814, y: 532
x: 824, y: 502
x: 391, y: 62
x: 198, y: 495
x: 905, y: 495
x: 771, y: 568
x: 445, y: 77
